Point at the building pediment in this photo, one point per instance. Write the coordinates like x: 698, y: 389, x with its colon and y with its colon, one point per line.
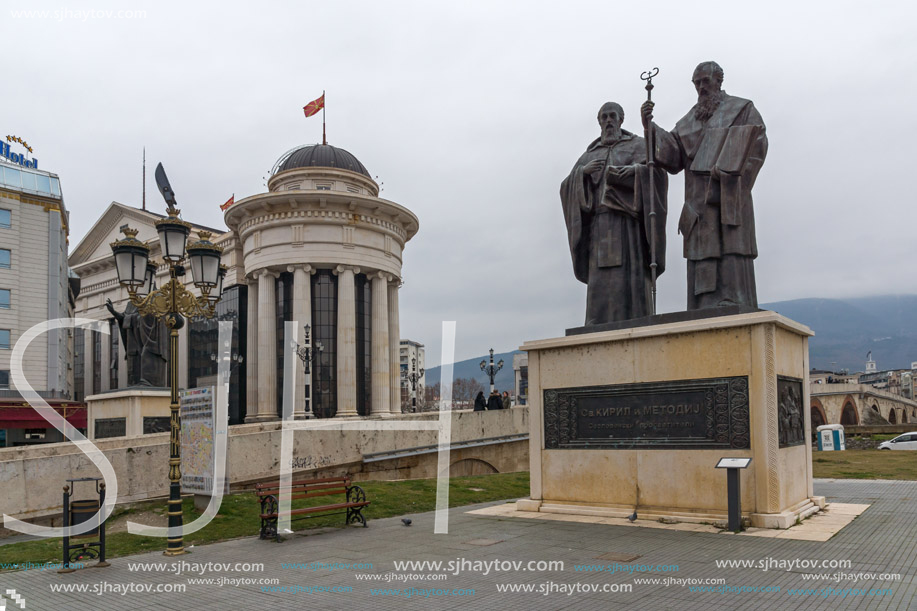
x: 96, y: 243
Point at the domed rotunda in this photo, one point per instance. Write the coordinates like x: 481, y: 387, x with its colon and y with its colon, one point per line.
x: 322, y: 248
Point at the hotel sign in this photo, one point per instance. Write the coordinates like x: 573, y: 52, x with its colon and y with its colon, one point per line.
x: 18, y: 158
x: 699, y: 414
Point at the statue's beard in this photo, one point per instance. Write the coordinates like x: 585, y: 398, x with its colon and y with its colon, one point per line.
x: 611, y: 135
x: 707, y: 105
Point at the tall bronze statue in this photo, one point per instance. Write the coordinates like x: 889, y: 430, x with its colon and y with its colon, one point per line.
x: 143, y: 346
x: 607, y: 212
x: 720, y: 144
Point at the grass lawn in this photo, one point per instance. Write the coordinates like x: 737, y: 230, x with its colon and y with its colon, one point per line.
x: 865, y: 464
x: 238, y: 515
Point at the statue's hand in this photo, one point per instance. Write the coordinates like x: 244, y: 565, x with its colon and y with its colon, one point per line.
x: 593, y: 167
x: 646, y: 113
x: 617, y: 175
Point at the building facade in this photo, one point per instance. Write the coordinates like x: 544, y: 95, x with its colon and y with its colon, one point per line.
x: 411, y: 359
x: 35, y: 286
x: 320, y: 247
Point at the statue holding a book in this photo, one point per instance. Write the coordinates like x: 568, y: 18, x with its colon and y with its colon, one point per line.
x: 721, y: 145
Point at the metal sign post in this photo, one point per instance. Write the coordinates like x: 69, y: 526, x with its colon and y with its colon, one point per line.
x: 734, y: 489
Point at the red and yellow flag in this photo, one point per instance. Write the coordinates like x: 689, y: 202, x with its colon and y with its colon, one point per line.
x: 314, y: 106
x: 229, y: 202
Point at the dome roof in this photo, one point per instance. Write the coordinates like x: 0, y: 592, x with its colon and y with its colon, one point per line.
x: 320, y: 156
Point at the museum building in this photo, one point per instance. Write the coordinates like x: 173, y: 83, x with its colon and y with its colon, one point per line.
x: 320, y: 247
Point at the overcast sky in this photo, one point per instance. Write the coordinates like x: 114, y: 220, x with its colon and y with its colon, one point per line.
x: 471, y: 114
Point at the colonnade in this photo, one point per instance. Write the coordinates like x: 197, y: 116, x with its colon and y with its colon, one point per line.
x: 261, y: 360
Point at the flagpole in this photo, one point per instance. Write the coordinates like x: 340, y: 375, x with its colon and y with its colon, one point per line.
x: 324, y: 139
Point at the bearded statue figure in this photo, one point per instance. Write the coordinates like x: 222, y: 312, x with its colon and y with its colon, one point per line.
x: 720, y: 144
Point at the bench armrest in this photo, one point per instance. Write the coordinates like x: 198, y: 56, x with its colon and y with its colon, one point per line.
x: 355, y: 494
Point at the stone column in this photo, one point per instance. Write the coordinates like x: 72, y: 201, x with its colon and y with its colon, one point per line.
x: 394, y: 338
x: 302, y: 315
x: 347, y: 343
x: 251, y: 353
x: 106, y: 361
x: 381, y: 372
x: 267, y: 346
x: 88, y: 364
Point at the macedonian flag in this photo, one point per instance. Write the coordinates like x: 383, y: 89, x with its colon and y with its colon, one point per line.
x: 314, y: 106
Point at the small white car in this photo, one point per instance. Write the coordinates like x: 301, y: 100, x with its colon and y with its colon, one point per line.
x: 908, y: 441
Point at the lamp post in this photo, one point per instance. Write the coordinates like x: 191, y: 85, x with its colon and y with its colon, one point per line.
x: 171, y: 304
x: 491, y: 370
x: 235, y: 359
x: 307, y: 355
x: 413, y: 377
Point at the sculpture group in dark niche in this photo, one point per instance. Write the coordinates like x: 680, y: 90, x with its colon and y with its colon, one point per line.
x: 720, y: 145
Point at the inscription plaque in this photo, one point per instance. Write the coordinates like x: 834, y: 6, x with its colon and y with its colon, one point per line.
x: 156, y: 424
x: 684, y: 414
x: 110, y: 427
x: 790, y: 417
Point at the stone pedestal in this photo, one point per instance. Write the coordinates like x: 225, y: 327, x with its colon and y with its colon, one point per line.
x: 128, y: 408
x: 639, y: 417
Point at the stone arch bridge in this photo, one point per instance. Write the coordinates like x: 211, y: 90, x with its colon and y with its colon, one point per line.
x: 855, y: 404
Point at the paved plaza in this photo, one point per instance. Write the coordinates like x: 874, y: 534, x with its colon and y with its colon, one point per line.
x: 331, y: 569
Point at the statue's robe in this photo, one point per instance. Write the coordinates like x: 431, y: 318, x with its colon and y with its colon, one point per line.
x: 152, y: 360
x: 608, y: 228
x: 717, y: 220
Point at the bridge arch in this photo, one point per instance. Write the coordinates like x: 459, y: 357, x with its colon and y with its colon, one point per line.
x: 471, y: 466
x: 892, y: 417
x: 849, y: 414
x: 818, y: 414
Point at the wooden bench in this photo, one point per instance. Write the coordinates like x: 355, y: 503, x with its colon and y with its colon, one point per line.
x: 269, y: 494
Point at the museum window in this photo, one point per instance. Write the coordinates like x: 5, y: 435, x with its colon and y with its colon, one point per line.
x: 4, y: 379
x: 324, y: 331
x: 113, y: 335
x: 203, y: 349
x: 5, y: 299
x: 6, y: 257
x: 79, y: 367
x: 96, y: 363
x: 284, y: 301
x: 4, y: 339
x: 6, y: 219
x: 364, y: 304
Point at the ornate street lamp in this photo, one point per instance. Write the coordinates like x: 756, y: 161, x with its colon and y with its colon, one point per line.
x: 413, y: 377
x: 490, y: 370
x: 171, y: 304
x: 307, y: 355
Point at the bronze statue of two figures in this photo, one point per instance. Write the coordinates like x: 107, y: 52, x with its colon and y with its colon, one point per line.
x: 615, y: 205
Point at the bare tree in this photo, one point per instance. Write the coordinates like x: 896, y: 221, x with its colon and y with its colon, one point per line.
x: 464, y: 391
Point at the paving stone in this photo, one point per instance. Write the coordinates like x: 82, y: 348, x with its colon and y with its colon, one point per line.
x: 879, y: 540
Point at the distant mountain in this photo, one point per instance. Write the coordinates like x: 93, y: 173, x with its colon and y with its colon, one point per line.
x: 847, y: 329
x: 504, y: 380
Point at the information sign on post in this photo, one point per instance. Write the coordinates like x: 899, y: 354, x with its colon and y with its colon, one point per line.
x: 734, y: 489
x: 197, y: 440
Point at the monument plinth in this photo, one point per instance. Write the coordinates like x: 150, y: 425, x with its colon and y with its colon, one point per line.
x: 639, y: 417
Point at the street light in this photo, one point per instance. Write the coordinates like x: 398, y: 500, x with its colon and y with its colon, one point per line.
x: 413, y: 377
x: 490, y: 370
x: 307, y: 356
x: 171, y: 304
